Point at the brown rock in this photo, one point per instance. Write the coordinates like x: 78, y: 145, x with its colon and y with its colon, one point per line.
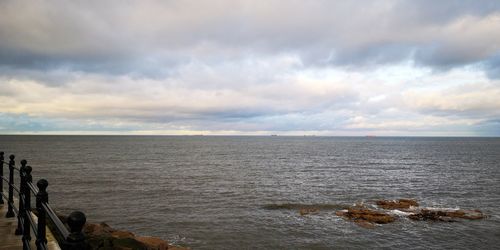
x: 466, y: 214
x: 102, y: 236
x: 305, y: 211
x: 369, y: 215
x: 397, y: 204
x: 340, y: 213
x: 365, y: 217
x: 153, y: 243
x: 101, y: 229
x: 122, y: 234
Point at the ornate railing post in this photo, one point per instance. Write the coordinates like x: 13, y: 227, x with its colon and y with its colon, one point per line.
x: 1, y: 179
x: 22, y: 186
x: 41, y: 197
x: 27, y: 206
x: 76, y: 239
x: 10, y: 210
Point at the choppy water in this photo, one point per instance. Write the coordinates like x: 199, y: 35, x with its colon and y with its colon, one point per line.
x: 243, y: 192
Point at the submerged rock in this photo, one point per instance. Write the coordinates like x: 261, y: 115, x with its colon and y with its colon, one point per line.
x: 397, y: 204
x: 446, y: 215
x: 298, y: 206
x: 365, y: 224
x: 305, y: 211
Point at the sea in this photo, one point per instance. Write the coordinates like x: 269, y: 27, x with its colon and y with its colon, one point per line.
x: 243, y: 192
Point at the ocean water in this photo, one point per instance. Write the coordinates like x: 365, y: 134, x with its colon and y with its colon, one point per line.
x: 242, y: 192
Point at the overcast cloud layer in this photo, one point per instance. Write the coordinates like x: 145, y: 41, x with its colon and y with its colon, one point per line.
x: 250, y: 67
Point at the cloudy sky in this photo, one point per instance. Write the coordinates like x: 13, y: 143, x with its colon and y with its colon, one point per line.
x: 392, y: 67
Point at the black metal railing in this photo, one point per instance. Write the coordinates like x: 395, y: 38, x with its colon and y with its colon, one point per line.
x: 26, y: 224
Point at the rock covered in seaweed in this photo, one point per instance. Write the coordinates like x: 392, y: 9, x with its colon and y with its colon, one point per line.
x: 446, y: 215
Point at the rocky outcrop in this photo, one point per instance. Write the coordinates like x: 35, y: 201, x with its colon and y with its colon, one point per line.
x: 397, y: 204
x: 367, y: 218
x: 102, y: 236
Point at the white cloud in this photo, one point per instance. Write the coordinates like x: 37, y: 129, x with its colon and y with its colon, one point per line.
x: 472, y: 99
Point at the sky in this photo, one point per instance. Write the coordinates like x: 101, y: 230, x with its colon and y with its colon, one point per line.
x: 231, y: 67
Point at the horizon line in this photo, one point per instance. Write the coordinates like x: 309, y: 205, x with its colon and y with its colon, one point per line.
x: 257, y: 135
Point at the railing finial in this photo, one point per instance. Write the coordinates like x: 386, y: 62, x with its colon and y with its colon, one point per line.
x: 42, y: 185
x: 76, y: 239
x: 76, y: 220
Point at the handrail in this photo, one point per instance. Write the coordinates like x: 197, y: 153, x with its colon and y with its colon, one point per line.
x: 16, y: 211
x: 33, y: 188
x: 4, y: 162
x: 58, y: 224
x: 33, y: 224
x: 67, y: 239
x: 16, y: 189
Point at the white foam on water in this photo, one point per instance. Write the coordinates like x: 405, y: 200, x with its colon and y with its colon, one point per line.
x: 400, y: 213
x: 442, y: 208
